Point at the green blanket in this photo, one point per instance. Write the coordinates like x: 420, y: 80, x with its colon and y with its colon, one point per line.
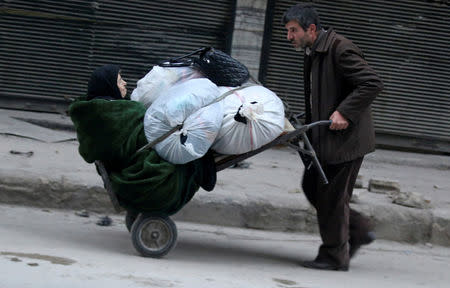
x: 112, y: 132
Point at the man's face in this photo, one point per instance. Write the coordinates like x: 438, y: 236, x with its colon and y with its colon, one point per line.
x: 297, y: 36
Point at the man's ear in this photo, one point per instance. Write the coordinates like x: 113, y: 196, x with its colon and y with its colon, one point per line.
x: 312, y: 27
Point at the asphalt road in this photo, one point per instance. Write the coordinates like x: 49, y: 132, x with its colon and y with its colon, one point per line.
x: 54, y: 248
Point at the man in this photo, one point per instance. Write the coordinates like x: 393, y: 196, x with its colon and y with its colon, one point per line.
x: 340, y: 86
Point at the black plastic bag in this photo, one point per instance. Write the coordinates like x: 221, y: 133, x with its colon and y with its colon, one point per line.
x: 216, y: 65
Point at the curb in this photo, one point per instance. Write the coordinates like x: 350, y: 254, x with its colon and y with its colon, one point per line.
x: 254, y: 214
x: 61, y: 194
x: 392, y: 222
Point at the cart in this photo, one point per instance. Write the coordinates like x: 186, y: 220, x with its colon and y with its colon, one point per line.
x: 154, y: 235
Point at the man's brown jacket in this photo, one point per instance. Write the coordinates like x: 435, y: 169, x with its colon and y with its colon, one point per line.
x: 343, y: 81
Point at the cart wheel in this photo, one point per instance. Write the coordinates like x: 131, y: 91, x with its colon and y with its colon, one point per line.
x: 153, y: 236
x: 130, y: 217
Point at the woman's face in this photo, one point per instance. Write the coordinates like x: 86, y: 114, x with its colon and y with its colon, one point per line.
x: 122, y: 86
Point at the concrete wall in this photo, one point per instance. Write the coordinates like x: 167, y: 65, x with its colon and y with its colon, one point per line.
x: 248, y: 33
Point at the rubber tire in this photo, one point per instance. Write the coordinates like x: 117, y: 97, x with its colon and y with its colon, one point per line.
x: 162, y: 236
x: 130, y: 217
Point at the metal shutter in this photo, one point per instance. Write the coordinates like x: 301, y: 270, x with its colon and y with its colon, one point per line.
x: 49, y: 48
x: 407, y: 43
x: 44, y: 52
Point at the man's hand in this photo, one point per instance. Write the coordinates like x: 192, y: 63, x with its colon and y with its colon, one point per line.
x: 339, y: 122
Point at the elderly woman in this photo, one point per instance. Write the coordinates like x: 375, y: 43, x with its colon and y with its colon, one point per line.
x: 107, y: 83
x: 110, y: 129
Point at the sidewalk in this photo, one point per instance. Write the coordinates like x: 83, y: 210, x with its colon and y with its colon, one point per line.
x: 41, y: 167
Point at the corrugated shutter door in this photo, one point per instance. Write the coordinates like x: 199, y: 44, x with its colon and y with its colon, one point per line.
x: 44, y: 52
x: 49, y: 48
x: 407, y: 43
x: 139, y: 34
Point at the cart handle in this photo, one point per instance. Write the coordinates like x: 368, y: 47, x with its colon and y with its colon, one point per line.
x: 309, y: 147
x: 319, y: 123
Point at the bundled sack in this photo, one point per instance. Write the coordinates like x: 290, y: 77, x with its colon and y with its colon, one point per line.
x: 187, y: 104
x: 192, y: 140
x: 253, y: 117
x: 221, y: 68
x: 159, y: 80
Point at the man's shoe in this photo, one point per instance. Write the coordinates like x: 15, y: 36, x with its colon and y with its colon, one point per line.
x: 323, y: 266
x: 370, y: 237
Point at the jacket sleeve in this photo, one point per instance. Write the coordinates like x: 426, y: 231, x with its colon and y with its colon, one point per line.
x: 357, y: 72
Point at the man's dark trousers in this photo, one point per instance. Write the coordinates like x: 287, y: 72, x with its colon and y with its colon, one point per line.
x: 338, y: 224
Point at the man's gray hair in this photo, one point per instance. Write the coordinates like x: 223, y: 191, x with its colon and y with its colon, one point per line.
x: 304, y: 14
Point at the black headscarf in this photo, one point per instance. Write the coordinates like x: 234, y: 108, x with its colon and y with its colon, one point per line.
x: 103, y: 83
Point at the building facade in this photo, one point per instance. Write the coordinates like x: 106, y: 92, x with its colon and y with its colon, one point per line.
x: 48, y: 49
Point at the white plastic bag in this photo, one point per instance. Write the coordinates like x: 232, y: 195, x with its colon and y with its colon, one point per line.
x: 183, y: 99
x: 253, y: 116
x: 159, y: 80
x: 193, y: 140
x: 185, y: 102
